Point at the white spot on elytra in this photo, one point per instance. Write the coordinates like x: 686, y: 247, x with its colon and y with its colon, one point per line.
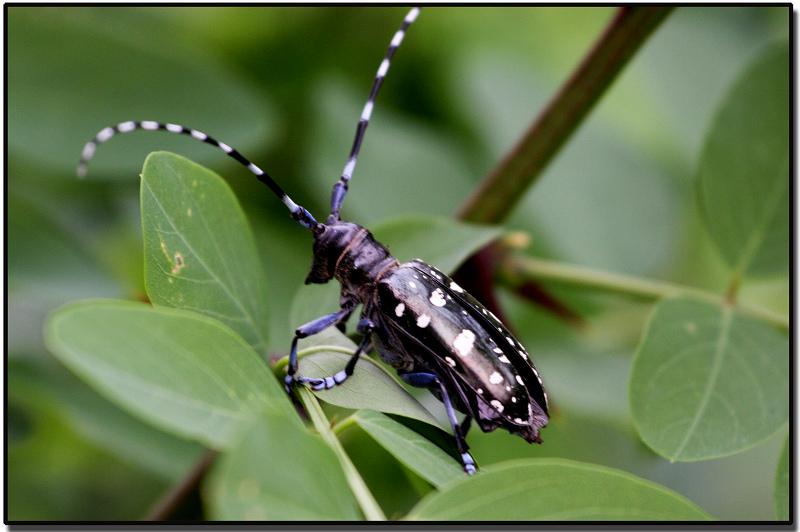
x: 437, y: 298
x: 455, y: 287
x: 518, y: 420
x: 464, y: 342
x: 423, y: 321
x: 519, y: 380
x: 497, y: 350
x: 450, y: 361
x: 504, y: 359
x: 497, y: 405
x: 399, y: 309
x: 412, y: 284
x: 480, y: 391
x: 495, y: 378
x: 510, y: 340
x: 513, y: 399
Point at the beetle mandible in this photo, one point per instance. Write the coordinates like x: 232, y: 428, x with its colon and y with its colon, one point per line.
x: 420, y: 322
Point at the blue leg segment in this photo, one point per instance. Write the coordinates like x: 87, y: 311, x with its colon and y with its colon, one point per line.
x: 429, y: 380
x: 364, y: 327
x: 309, y: 329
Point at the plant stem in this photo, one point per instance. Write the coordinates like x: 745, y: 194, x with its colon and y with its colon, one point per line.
x: 178, y: 502
x: 505, y: 185
x: 519, y: 269
x: 364, y: 497
x: 346, y: 423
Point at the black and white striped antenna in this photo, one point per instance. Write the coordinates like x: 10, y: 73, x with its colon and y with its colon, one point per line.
x: 298, y: 213
x: 340, y: 189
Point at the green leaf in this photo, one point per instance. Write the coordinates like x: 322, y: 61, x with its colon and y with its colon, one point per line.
x: 707, y: 381
x: 440, y: 242
x: 743, y: 175
x: 183, y: 372
x: 420, y: 455
x: 370, y: 386
x: 199, y: 251
x: 783, y: 483
x: 136, y: 442
x: 280, y: 472
x: 553, y: 489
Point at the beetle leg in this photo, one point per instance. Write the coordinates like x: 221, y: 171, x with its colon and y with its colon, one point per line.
x: 365, y: 327
x: 429, y: 380
x: 466, y: 459
x: 342, y: 325
x: 466, y: 424
x: 311, y: 328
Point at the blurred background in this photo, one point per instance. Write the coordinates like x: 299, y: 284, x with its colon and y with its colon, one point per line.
x: 285, y: 86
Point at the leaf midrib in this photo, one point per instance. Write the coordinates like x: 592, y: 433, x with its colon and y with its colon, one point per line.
x: 719, y: 355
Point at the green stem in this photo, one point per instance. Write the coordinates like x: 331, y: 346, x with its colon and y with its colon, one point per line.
x: 503, y: 188
x: 343, y: 425
x: 364, y: 497
x: 283, y: 361
x: 519, y: 269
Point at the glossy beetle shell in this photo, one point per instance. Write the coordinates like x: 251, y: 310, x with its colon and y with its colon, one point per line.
x: 427, y: 323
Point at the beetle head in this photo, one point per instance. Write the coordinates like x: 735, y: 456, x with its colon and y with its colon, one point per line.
x: 329, y: 244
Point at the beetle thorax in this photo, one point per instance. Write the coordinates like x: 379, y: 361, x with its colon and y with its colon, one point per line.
x: 350, y: 254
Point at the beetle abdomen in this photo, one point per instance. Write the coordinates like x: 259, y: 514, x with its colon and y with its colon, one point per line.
x: 428, y: 325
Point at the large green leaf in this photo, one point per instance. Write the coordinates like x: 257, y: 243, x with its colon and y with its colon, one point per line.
x: 743, y: 176
x: 552, y: 489
x: 100, y: 421
x: 708, y: 381
x: 199, y: 251
x: 420, y: 455
x: 280, y: 472
x: 183, y: 372
x: 783, y: 483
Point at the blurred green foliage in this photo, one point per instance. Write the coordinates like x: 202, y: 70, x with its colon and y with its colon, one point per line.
x: 284, y: 85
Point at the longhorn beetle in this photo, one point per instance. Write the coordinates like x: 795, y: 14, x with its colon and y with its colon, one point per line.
x: 420, y: 322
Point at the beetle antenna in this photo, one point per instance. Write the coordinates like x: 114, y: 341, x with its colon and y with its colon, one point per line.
x: 340, y: 189
x: 299, y: 213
